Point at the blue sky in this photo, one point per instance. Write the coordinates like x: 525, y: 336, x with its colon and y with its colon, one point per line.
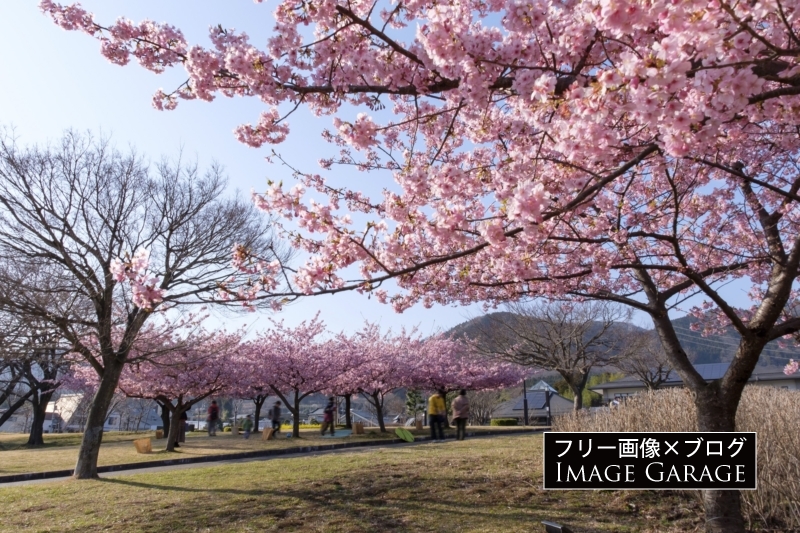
x: 54, y: 80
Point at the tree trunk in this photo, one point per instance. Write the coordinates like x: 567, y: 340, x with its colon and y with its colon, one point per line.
x: 723, y: 507
x: 348, y: 416
x: 377, y: 402
x: 86, y: 467
x: 165, y: 421
x: 716, y: 404
x: 577, y: 402
x: 296, y: 416
x: 39, y: 401
x: 577, y: 383
x: 174, y: 426
x: 259, y: 401
x: 448, y: 400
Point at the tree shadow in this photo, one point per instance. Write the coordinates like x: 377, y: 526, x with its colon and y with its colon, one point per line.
x: 361, y: 499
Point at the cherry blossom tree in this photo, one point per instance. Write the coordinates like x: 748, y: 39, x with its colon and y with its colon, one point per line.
x: 296, y: 362
x: 385, y: 363
x: 185, y: 374
x: 637, y: 152
x: 176, y: 362
x: 449, y: 364
x: 352, y: 356
x: 251, y: 386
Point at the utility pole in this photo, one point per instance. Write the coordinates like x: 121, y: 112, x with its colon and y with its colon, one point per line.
x: 525, y: 402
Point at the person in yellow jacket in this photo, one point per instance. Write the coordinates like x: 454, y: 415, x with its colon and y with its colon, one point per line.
x: 436, y: 414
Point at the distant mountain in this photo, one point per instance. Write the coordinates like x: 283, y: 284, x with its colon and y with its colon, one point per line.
x: 701, y: 350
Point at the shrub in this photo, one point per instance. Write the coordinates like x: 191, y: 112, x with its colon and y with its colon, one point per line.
x: 227, y: 429
x: 773, y: 413
x: 503, y: 422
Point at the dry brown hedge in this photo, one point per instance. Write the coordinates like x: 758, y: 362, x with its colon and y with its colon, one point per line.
x: 772, y: 413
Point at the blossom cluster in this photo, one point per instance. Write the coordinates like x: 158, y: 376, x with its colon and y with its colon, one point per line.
x: 145, y: 290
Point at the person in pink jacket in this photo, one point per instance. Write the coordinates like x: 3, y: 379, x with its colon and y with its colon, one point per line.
x: 460, y: 408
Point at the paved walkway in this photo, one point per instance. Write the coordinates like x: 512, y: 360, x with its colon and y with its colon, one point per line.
x: 223, y: 462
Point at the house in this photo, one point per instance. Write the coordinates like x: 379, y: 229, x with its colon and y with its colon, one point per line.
x: 67, y: 413
x: 59, y: 413
x: 537, y: 405
x: 630, y: 385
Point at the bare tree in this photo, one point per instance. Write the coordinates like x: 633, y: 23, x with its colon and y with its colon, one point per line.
x: 11, y: 373
x: 42, y: 370
x: 646, y: 360
x: 567, y: 337
x: 131, y: 412
x: 12, y: 391
x: 81, y: 204
x: 482, y: 405
x: 31, y: 363
x: 394, y: 404
x: 259, y: 398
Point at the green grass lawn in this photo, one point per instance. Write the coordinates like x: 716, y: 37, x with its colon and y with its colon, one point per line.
x: 491, y: 485
x: 61, y: 450
x: 17, y: 441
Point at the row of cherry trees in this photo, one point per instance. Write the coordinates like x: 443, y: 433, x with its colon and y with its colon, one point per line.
x: 179, y: 364
x: 294, y: 362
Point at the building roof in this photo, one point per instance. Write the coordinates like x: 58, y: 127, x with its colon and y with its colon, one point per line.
x: 536, y: 400
x: 515, y: 408
x: 709, y: 372
x: 542, y: 385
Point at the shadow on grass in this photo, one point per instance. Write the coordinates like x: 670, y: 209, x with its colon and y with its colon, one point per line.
x: 363, y: 500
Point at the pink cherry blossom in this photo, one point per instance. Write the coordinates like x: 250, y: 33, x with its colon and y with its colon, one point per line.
x: 145, y: 290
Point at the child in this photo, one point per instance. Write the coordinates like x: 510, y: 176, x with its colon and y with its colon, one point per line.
x: 247, y: 425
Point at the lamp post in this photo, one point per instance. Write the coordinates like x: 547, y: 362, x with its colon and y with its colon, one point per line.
x: 525, y: 402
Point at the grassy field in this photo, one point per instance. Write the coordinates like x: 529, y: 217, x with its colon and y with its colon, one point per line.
x: 61, y: 450
x: 490, y: 485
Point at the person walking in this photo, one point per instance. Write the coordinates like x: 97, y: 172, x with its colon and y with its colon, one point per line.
x: 327, y: 419
x: 247, y: 426
x: 213, y: 418
x: 436, y: 414
x: 275, y: 417
x: 461, y: 414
